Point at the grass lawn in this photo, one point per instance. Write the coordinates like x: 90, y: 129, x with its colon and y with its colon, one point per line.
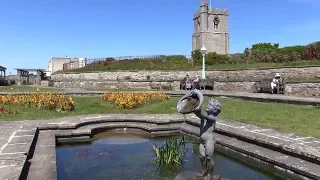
x: 303, y: 80
x: 302, y: 120
x: 24, y: 88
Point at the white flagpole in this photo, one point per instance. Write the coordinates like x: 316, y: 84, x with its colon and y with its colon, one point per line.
x: 210, y: 4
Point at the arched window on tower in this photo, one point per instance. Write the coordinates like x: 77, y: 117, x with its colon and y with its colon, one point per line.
x: 216, y: 21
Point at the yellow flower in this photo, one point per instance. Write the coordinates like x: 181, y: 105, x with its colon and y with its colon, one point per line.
x: 129, y: 100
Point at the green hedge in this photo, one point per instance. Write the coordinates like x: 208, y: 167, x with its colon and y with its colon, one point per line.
x: 159, y: 62
x: 263, y: 53
x: 312, y: 51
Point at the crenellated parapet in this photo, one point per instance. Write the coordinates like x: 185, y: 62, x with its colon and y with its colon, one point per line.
x: 218, y: 11
x: 196, y: 14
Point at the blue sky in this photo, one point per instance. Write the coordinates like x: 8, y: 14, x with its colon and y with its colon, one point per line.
x: 32, y: 31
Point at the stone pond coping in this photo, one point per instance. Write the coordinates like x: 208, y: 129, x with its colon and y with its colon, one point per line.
x: 240, y: 95
x: 18, y: 157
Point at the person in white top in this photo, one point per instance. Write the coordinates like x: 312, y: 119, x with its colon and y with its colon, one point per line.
x: 196, y: 82
x: 277, y: 79
x: 188, y: 84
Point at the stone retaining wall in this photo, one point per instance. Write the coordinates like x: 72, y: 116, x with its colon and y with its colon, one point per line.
x: 292, y: 89
x: 240, y: 75
x: 115, y: 84
x: 242, y: 81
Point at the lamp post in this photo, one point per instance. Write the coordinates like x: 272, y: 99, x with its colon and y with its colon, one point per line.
x: 192, y: 58
x: 203, y: 51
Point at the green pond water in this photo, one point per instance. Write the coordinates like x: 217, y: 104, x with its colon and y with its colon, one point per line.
x: 124, y: 156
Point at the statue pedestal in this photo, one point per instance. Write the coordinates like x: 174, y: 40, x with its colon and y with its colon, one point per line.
x: 188, y: 175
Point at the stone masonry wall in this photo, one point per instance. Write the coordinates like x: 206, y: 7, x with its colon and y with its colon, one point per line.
x: 243, y: 75
x: 243, y: 80
x: 112, y: 84
x: 292, y: 89
x: 303, y: 89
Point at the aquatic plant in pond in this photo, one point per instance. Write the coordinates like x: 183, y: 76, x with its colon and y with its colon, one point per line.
x: 172, y: 152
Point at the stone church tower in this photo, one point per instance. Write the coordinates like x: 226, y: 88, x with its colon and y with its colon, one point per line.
x: 211, y: 29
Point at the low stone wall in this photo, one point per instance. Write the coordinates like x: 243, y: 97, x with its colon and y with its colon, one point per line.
x: 116, y: 85
x: 240, y: 75
x: 241, y: 81
x: 292, y: 89
x: 44, y: 83
x: 234, y: 86
x: 303, y: 89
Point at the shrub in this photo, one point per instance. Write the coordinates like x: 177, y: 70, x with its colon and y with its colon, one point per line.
x: 264, y: 47
x: 294, y: 49
x: 109, y: 60
x: 176, y: 59
x: 214, y: 58
x: 197, y: 57
x: 246, y: 52
x: 312, y: 51
x: 237, y: 58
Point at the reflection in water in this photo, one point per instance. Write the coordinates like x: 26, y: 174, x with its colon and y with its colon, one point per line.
x: 121, y: 138
x: 119, y: 156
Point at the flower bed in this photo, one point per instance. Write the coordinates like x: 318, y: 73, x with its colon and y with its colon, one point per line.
x: 4, y: 110
x: 129, y: 100
x: 55, y: 102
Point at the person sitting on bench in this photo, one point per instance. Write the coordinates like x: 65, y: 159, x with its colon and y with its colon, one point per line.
x: 196, y: 82
x: 188, y: 84
x: 276, y: 80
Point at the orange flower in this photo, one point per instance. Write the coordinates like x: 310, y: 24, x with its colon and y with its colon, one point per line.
x: 129, y: 100
x: 48, y: 101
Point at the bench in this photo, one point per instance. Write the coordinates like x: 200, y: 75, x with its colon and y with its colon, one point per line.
x: 264, y: 86
x: 206, y: 84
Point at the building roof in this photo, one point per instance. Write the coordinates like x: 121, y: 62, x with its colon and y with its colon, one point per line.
x: 2, y: 68
x: 26, y: 69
